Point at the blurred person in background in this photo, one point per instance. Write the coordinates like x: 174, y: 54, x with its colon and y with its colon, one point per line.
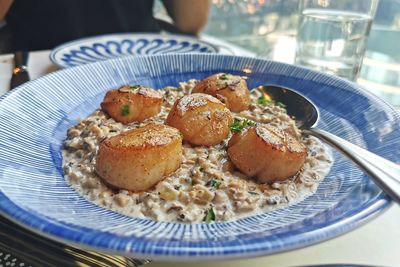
x: 43, y: 24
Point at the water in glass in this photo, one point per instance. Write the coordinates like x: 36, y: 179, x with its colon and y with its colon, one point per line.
x: 332, y: 41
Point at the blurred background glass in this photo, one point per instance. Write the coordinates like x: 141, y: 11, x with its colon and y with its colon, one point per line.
x: 332, y: 35
x: 269, y: 28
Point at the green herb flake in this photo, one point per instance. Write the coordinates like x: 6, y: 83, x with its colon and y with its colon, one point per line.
x: 215, y: 184
x: 262, y: 100
x: 223, y: 77
x: 133, y: 87
x: 210, y: 216
x: 238, y: 125
x: 125, y: 110
x: 280, y: 104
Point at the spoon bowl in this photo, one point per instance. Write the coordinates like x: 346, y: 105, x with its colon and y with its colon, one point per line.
x: 386, y: 174
x: 300, y: 107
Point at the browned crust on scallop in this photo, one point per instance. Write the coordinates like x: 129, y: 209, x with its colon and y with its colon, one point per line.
x: 279, y: 139
x: 194, y: 101
x: 150, y: 136
x: 138, y: 159
x: 233, y: 91
x: 202, y: 119
x: 141, y: 103
x: 267, y: 153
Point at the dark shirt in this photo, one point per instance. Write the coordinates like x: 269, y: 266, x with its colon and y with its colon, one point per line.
x: 44, y: 24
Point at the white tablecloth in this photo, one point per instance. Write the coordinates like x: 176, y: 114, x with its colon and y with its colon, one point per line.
x: 375, y: 243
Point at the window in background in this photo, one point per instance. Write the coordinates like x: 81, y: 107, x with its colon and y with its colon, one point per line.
x: 254, y: 24
x: 268, y: 28
x: 381, y: 67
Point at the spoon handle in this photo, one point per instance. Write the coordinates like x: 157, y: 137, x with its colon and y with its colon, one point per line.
x: 386, y: 174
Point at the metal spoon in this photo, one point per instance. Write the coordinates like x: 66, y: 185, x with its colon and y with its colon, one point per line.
x: 386, y: 174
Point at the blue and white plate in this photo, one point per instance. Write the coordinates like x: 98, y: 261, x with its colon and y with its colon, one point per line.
x: 33, y: 192
x: 99, y: 48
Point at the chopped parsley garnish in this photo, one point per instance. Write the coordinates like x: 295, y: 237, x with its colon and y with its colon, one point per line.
x: 135, y: 86
x: 280, y: 104
x: 125, y: 110
x: 210, y: 216
x: 238, y: 125
x: 262, y: 100
x: 215, y: 184
x: 223, y: 77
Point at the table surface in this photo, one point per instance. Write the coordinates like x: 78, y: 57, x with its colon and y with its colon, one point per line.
x: 374, y: 243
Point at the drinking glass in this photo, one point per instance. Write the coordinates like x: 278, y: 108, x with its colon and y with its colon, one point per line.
x: 332, y: 35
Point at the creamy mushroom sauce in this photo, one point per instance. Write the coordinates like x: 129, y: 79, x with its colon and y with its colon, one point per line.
x: 206, y: 179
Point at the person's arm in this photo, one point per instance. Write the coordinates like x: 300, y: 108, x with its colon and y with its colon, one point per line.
x: 189, y: 16
x: 4, y: 7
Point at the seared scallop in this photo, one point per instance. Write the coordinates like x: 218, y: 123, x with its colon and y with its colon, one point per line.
x: 232, y: 90
x: 132, y: 103
x: 266, y: 153
x: 201, y: 118
x: 138, y: 159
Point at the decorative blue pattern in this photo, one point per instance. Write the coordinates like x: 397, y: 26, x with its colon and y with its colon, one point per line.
x: 33, y: 193
x: 105, y: 47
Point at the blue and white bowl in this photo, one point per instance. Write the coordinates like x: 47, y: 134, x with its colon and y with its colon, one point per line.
x: 33, y: 192
x: 99, y: 48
